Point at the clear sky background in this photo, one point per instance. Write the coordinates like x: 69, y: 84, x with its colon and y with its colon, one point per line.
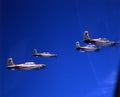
x: 54, y: 26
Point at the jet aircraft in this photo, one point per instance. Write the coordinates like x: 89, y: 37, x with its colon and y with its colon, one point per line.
x: 98, y: 41
x: 25, y: 66
x: 88, y: 48
x: 44, y: 54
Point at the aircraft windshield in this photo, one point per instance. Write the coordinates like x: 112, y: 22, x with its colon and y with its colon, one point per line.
x: 27, y: 63
x: 90, y: 45
x: 104, y: 39
x: 46, y: 53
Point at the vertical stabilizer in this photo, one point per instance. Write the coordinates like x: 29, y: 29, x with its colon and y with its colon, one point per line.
x: 77, y: 45
x: 86, y: 35
x: 10, y: 62
x: 34, y: 51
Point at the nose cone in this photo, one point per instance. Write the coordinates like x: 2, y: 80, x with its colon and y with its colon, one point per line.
x: 55, y: 55
x: 43, y: 65
x: 114, y: 44
x: 98, y: 49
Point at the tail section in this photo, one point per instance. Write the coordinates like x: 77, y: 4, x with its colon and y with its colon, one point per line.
x: 77, y: 45
x: 86, y: 35
x: 34, y: 51
x: 10, y: 62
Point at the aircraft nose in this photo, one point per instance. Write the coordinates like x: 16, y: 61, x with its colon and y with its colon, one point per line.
x: 44, y: 65
x: 97, y: 49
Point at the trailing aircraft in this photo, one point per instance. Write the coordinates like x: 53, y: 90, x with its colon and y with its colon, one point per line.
x: 44, y: 54
x: 24, y: 66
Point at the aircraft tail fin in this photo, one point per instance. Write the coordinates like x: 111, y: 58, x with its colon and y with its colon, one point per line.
x: 34, y: 51
x: 77, y: 45
x: 10, y: 62
x: 86, y: 35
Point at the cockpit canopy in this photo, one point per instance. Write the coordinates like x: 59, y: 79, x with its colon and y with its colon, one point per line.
x: 46, y: 53
x: 105, y: 39
x: 28, y: 63
x: 90, y: 45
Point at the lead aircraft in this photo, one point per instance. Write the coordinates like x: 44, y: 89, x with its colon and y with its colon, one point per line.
x: 98, y: 41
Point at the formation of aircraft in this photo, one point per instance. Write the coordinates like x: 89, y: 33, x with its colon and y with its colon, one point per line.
x: 88, y: 48
x: 25, y: 66
x: 44, y: 54
x: 29, y: 65
x: 94, y: 44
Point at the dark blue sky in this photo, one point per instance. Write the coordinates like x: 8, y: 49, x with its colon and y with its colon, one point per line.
x: 54, y: 26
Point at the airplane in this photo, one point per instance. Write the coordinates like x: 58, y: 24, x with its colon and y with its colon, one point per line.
x: 88, y: 48
x: 98, y: 41
x: 44, y: 54
x: 25, y: 66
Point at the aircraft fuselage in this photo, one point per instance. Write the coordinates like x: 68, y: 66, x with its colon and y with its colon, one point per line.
x: 45, y: 55
x: 88, y: 49
x: 100, y: 42
x: 25, y: 67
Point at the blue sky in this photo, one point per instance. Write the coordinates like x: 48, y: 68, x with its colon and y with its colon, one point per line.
x: 54, y: 26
